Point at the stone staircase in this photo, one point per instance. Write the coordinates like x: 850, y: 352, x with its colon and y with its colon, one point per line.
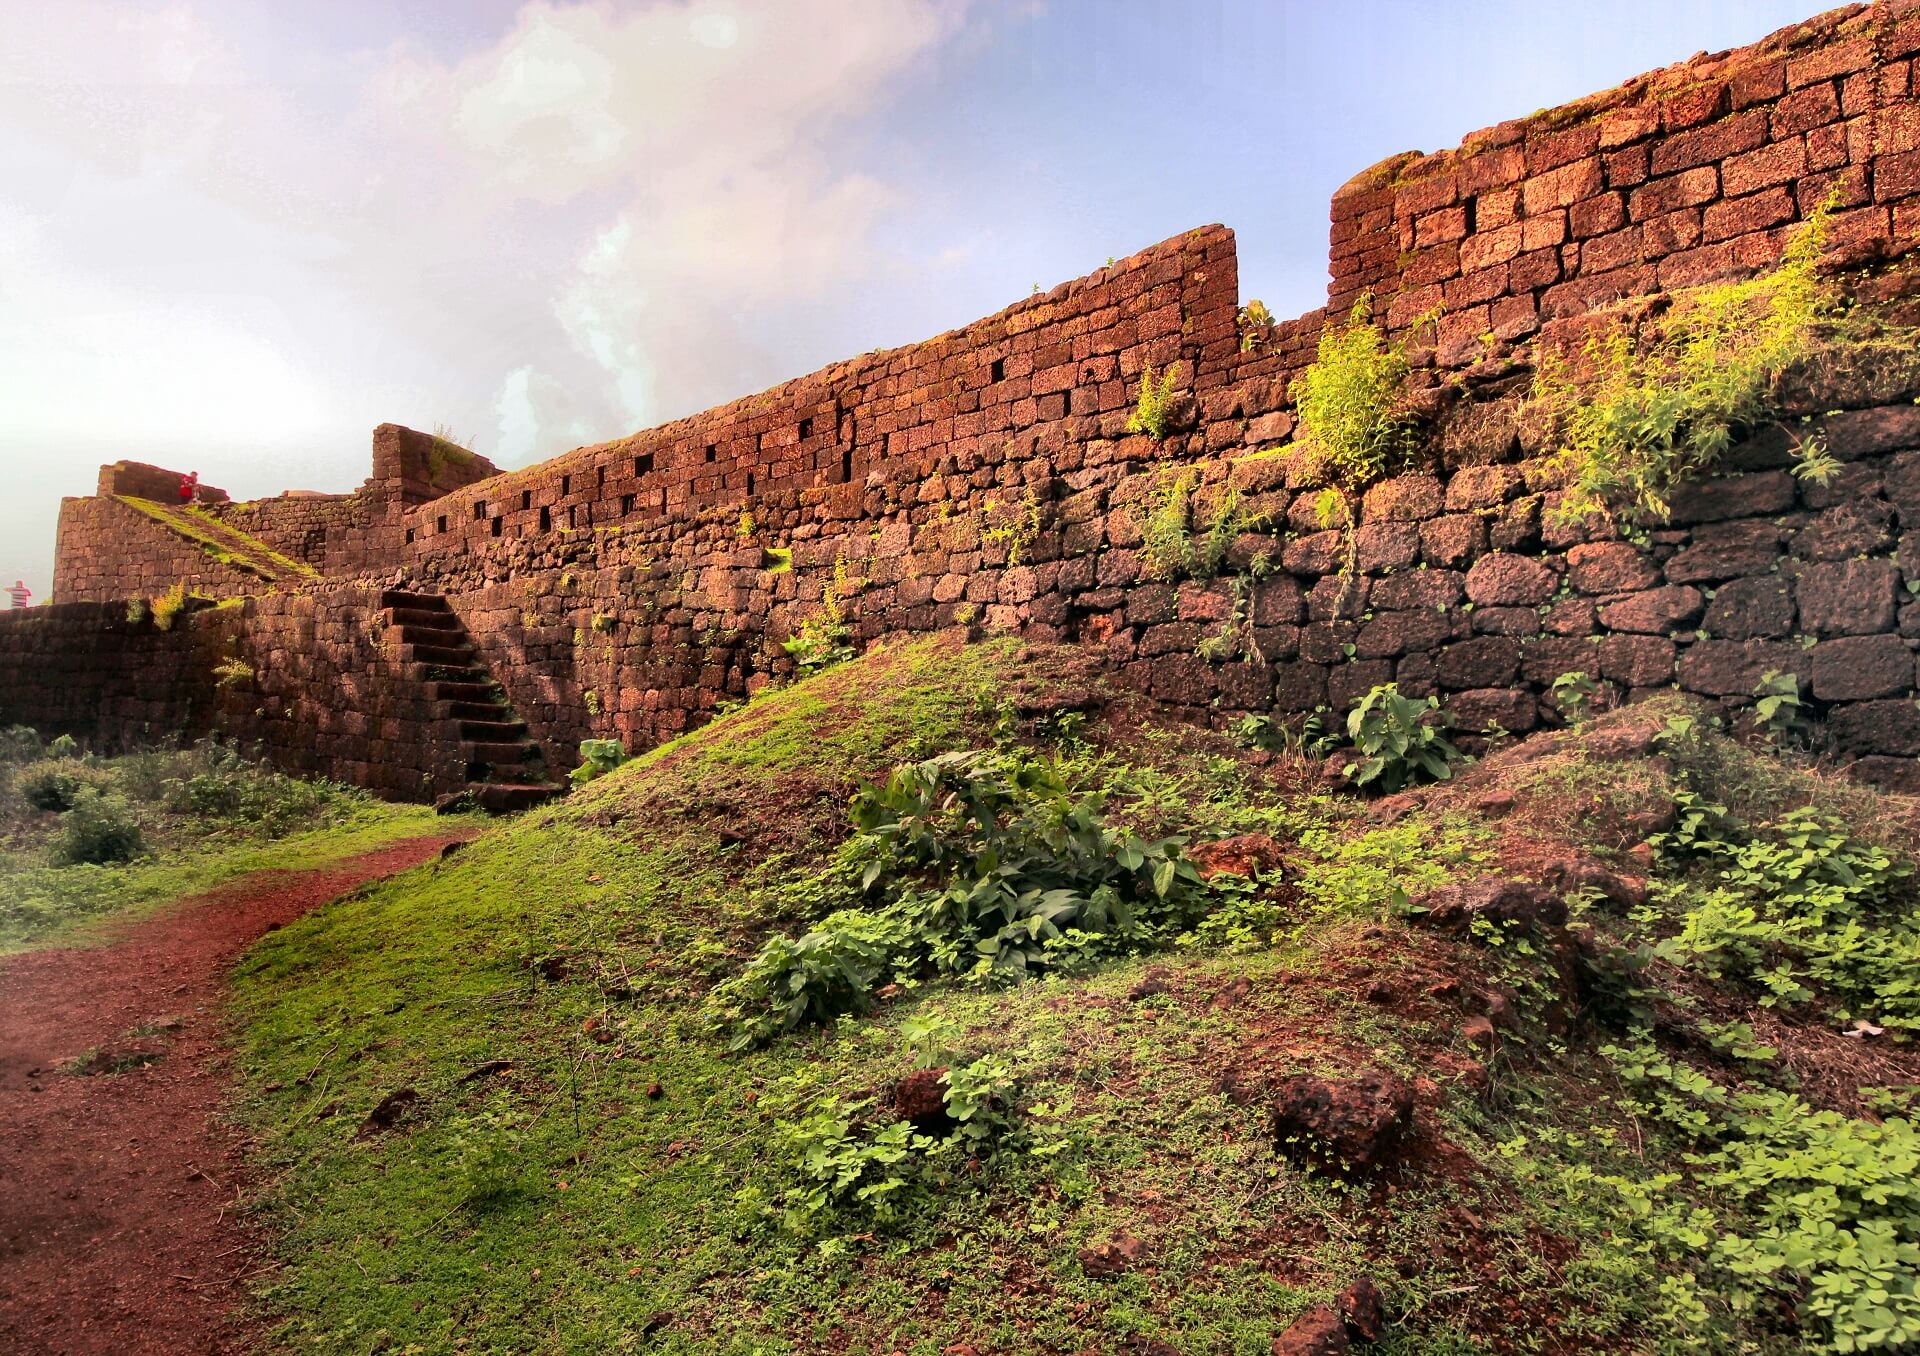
x: 505, y: 769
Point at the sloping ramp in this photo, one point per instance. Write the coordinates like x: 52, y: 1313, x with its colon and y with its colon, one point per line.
x: 225, y: 542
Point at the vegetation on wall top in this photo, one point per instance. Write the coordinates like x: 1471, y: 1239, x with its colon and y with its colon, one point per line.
x: 1640, y: 412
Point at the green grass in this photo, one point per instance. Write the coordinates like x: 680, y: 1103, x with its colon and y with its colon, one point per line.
x: 74, y: 905
x: 554, y: 1206
x: 221, y: 540
x: 205, y: 817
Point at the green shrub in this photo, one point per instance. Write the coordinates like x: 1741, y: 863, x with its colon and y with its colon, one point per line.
x: 169, y: 605
x: 1351, y: 400
x: 20, y: 744
x: 1642, y: 414
x: 1175, y: 542
x: 1775, y: 1205
x: 598, y: 757
x: 54, y: 783
x: 1397, y: 741
x: 824, y: 638
x: 232, y: 671
x: 1166, y: 544
x: 1801, y: 911
x: 213, y: 781
x: 1153, y: 413
x: 852, y: 1163
x: 98, y: 828
x: 988, y: 869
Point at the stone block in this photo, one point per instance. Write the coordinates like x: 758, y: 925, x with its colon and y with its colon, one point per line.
x: 1847, y: 598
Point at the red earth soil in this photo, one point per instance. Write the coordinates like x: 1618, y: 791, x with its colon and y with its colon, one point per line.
x: 118, y: 1224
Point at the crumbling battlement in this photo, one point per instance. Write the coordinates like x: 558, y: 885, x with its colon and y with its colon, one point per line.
x: 988, y: 477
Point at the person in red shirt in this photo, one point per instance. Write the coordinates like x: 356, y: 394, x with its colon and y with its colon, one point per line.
x: 189, y: 486
x: 20, y: 593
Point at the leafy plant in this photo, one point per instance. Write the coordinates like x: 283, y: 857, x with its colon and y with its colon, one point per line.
x: 1774, y: 1202
x: 1258, y: 732
x: 1640, y: 415
x: 98, y: 828
x: 598, y: 757
x: 1166, y: 546
x: 1153, y: 414
x: 1311, y: 740
x: 1802, y: 911
x: 169, y: 605
x: 136, y: 611
x: 1573, y: 693
x: 1397, y: 740
x: 1016, y: 527
x: 1255, y: 322
x: 824, y: 638
x: 855, y: 1165
x: 1351, y: 400
x: 989, y: 869
x: 1777, y: 707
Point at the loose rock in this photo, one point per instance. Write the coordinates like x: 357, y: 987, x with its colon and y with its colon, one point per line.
x: 1497, y: 899
x: 1317, y: 1332
x: 1350, y: 1123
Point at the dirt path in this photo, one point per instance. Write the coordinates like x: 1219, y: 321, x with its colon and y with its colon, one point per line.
x: 117, y: 1231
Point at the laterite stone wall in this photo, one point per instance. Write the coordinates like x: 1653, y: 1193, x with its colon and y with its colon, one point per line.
x: 987, y: 478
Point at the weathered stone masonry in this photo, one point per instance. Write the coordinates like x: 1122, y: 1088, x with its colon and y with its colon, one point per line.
x: 986, y: 477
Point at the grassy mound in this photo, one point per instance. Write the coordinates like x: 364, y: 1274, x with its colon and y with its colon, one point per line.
x: 500, y: 1120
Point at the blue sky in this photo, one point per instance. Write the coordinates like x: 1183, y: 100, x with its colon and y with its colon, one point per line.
x: 236, y: 236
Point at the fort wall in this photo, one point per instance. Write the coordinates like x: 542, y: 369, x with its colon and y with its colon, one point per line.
x: 988, y: 478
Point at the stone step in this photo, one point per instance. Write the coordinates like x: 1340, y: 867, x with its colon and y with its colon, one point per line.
x: 501, y: 798
x: 452, y: 673
x: 465, y: 691
x: 490, y: 709
x: 427, y: 602
x: 494, y: 730
x: 442, y: 656
x: 424, y: 619
x: 500, y: 753
x: 442, y: 638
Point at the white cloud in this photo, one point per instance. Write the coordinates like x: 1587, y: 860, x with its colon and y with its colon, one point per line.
x: 596, y: 217
x: 695, y: 138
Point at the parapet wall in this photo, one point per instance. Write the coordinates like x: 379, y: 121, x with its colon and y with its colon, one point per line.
x: 1666, y: 181
x: 337, y: 534
x: 1053, y: 369
x: 988, y: 477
